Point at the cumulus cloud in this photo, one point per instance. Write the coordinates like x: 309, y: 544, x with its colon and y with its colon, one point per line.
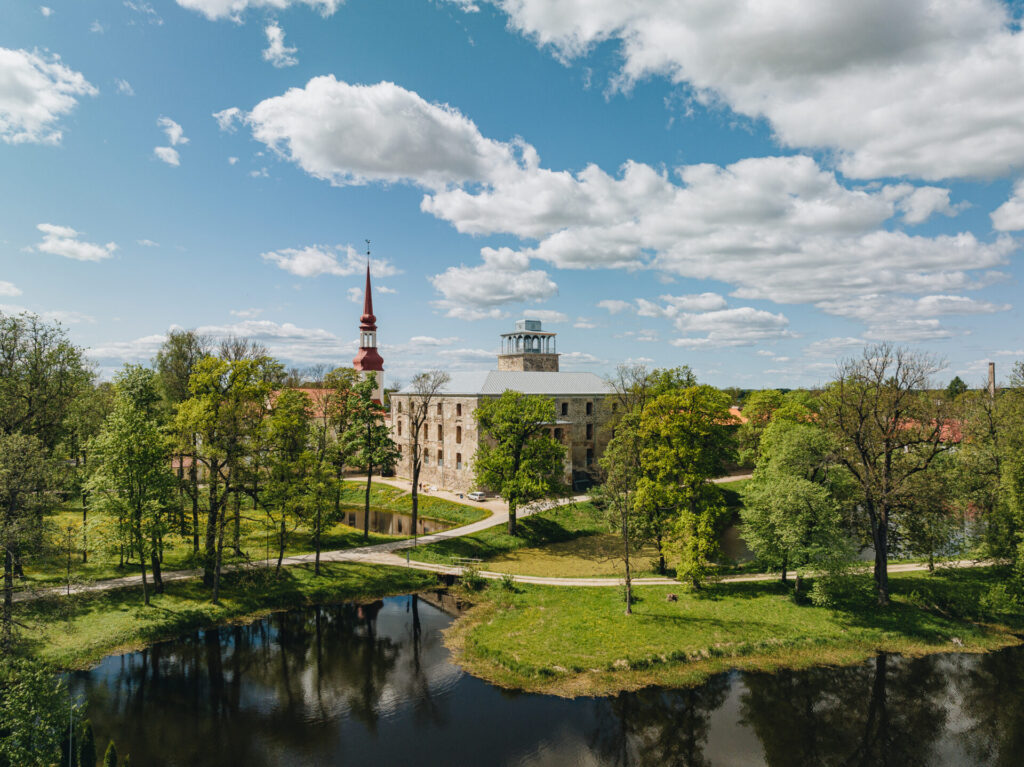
x: 148, y: 243
x: 833, y: 347
x: 146, y: 11
x: 614, y: 305
x: 65, y: 241
x: 1009, y: 217
x: 9, y: 288
x: 355, y: 134
x: 504, y: 277
x: 339, y: 260
x: 167, y: 154
x: 546, y: 315
x: 233, y: 9
x: 743, y: 326
x: 46, y: 11
x: 914, y: 88
x: 36, y: 90
x: 63, y: 316
x: 175, y: 137
x: 246, y: 314
x: 227, y: 118
x: 276, y: 52
x: 124, y: 87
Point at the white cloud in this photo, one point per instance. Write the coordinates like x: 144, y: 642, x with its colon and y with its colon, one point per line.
x: 355, y: 134
x: 233, y: 9
x: 504, y: 277
x: 175, y: 133
x: 124, y: 87
x: 614, y: 305
x: 276, y: 52
x: 226, y: 118
x: 917, y: 88
x: 743, y: 326
x: 146, y: 11
x: 167, y: 155
x: 246, y: 314
x: 261, y: 173
x: 384, y: 289
x: 355, y: 295
x: 339, y: 260
x: 232, y: 160
x: 45, y: 10
x: 58, y: 315
x: 546, y: 315
x: 1009, y: 217
x: 584, y: 323
x: 432, y: 341
x: 97, y: 28
x: 64, y: 241
x: 35, y: 92
x: 833, y: 347
x: 148, y: 243
x: 9, y: 288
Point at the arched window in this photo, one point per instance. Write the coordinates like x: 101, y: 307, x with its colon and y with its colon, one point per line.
x: 458, y: 434
x: 440, y: 459
x: 458, y: 461
x: 440, y: 432
x: 399, y: 428
x: 439, y: 408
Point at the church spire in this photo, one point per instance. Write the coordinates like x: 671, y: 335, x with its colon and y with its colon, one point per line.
x: 368, y: 358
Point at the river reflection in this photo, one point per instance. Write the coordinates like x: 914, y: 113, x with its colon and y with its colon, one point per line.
x: 373, y: 685
x: 391, y: 522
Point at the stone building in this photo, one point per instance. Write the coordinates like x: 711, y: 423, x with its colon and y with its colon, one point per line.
x: 528, y: 363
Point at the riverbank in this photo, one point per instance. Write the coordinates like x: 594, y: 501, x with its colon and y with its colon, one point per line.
x: 577, y: 641
x: 77, y: 631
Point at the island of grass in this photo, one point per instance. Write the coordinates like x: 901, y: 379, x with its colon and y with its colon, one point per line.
x: 578, y: 641
x: 255, y: 542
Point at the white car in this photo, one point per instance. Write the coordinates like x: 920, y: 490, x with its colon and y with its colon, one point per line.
x: 477, y: 495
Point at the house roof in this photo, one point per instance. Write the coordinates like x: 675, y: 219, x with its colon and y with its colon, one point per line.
x: 494, y: 382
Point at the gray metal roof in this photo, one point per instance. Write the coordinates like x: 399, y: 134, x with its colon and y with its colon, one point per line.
x: 494, y: 382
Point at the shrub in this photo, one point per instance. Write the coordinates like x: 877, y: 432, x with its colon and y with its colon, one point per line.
x: 472, y: 579
x: 508, y: 582
x: 999, y: 600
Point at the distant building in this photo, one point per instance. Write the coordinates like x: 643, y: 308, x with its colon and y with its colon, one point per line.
x: 527, y: 363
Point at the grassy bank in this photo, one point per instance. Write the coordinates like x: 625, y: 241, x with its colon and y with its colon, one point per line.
x: 105, y: 562
x: 77, y: 632
x: 574, y: 641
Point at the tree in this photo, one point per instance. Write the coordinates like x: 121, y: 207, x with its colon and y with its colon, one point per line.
x: 336, y: 412
x: 888, y: 428
x: 110, y: 757
x: 88, y: 411
x: 370, y: 437
x: 791, y: 512
x: 424, y: 390
x: 34, y: 714
x: 621, y: 468
x: 287, y: 442
x: 25, y: 471
x: 956, y: 388
x: 686, y: 440
x: 223, y: 418
x: 176, y: 362
x: 758, y: 409
x: 133, y: 479
x: 929, y: 524
x: 516, y: 456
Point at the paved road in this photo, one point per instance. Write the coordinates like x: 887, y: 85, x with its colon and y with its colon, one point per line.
x: 387, y: 554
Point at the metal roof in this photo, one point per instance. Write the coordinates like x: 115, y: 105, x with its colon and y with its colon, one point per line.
x: 494, y: 382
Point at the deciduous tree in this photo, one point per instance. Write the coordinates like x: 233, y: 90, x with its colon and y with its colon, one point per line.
x: 370, y: 438
x: 424, y: 390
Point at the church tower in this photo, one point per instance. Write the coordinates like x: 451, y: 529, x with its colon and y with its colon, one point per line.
x: 528, y: 349
x: 368, y: 360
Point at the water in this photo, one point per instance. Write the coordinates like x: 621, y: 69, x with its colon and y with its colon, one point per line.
x: 373, y: 685
x: 391, y: 523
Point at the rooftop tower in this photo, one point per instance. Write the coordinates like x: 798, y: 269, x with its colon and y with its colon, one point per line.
x: 367, y: 359
x: 529, y: 349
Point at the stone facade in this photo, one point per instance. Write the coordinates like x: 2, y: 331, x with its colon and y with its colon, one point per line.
x: 537, y: 363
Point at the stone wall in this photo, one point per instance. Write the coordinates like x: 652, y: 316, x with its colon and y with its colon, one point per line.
x: 533, y: 362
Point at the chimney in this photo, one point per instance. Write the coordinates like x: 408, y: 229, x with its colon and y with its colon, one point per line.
x: 992, y: 380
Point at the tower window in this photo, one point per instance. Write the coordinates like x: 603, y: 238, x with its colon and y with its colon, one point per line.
x: 590, y: 408
x: 458, y: 434
x: 458, y: 461
x: 399, y: 428
x: 590, y: 431
x: 426, y: 457
x: 440, y: 432
x: 565, y: 408
x: 439, y: 408
x: 440, y: 459
x: 458, y: 408
x: 590, y: 456
x: 399, y: 406
x: 558, y: 434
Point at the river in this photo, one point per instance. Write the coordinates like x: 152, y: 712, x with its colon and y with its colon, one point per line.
x: 374, y: 685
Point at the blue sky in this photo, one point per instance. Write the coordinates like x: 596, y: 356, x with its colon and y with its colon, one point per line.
x: 753, y: 189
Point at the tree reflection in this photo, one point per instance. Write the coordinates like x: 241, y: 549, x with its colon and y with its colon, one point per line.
x: 659, y: 727
x: 992, y: 686
x: 887, y: 712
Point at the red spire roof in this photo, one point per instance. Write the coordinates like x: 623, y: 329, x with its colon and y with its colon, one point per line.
x: 368, y: 358
x: 367, y: 321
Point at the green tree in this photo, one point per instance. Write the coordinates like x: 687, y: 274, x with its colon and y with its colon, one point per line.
x: 110, y: 757
x: 930, y: 524
x: 25, y: 469
x: 176, y: 361
x: 758, y: 409
x: 132, y: 479
x: 621, y: 470
x: 35, y: 707
x: 287, y: 441
x: 888, y: 428
x: 424, y: 390
x: 516, y: 457
x: 370, y: 438
x: 87, y: 413
x: 223, y: 418
x: 791, y: 512
x: 686, y: 440
x: 336, y: 413
x: 956, y: 388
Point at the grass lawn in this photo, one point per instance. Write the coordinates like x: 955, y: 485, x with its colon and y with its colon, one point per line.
x: 104, y: 559
x: 559, y: 524
x: 574, y: 641
x: 76, y: 632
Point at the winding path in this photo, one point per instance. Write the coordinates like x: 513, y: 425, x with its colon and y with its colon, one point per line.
x: 388, y: 554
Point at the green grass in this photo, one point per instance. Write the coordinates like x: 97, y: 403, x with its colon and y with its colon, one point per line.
x: 578, y: 641
x: 562, y: 523
x: 76, y: 632
x: 104, y: 559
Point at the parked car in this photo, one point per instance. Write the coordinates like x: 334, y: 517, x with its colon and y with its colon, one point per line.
x: 477, y: 495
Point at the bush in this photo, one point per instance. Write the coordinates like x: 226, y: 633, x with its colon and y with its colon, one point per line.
x: 472, y: 579
x: 508, y: 582
x: 999, y: 600
x: 838, y: 589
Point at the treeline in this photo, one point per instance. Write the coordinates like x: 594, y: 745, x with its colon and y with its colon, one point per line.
x: 178, y: 447
x: 877, y: 459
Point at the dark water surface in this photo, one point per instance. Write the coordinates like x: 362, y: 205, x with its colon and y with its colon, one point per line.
x: 373, y: 685
x: 391, y: 522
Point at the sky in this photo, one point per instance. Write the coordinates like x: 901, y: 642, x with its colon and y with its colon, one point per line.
x: 754, y: 188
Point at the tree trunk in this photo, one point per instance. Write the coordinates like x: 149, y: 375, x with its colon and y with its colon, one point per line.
x: 217, y: 560
x: 193, y: 478
x: 366, y: 503
x: 661, y: 554
x: 512, y: 515
x: 280, y: 546
x: 85, y: 519
x: 785, y: 563
x: 796, y: 583
x: 880, y: 539
x: 8, y: 617
x: 158, y: 580
x: 237, y: 541
x: 415, y: 492
x: 142, y: 560
x: 211, y: 530
x: 629, y: 580
x: 181, y: 493
x: 316, y: 538
x: 931, y: 561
